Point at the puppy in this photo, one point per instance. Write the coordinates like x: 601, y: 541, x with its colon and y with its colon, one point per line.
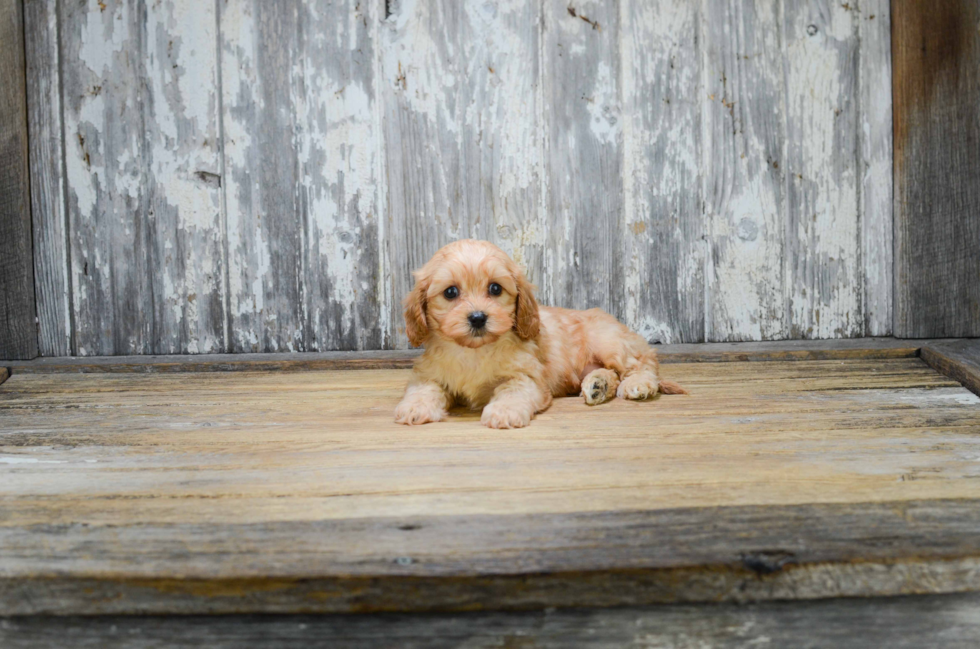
x: 489, y: 345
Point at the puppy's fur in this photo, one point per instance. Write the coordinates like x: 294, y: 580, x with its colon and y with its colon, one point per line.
x: 524, y: 354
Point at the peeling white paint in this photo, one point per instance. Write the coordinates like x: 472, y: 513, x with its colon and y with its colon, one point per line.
x: 875, y: 113
x: 661, y: 166
x: 416, y: 63
x: 182, y: 81
x: 103, y: 36
x: 603, y: 106
x: 742, y: 117
x: 445, y: 121
x: 824, y: 293
x: 83, y: 164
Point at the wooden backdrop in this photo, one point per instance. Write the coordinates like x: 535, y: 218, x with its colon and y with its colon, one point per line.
x: 262, y: 175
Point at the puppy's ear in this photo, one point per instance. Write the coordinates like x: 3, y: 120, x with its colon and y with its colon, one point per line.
x: 526, y: 321
x: 415, y: 321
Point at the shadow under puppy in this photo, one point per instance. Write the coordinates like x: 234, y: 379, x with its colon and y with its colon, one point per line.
x: 489, y: 345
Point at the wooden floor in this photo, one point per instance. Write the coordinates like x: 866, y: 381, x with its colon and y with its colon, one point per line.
x: 237, y: 491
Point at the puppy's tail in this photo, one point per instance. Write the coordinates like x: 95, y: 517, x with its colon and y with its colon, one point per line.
x: 669, y: 387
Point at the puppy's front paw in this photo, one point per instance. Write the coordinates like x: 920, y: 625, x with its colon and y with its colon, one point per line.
x: 639, y: 386
x: 599, y: 386
x: 413, y: 412
x: 502, y: 415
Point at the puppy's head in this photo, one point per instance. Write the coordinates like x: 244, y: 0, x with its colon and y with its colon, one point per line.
x: 472, y: 293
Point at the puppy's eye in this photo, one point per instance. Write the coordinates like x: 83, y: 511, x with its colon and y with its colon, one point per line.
x: 451, y: 293
x: 496, y: 289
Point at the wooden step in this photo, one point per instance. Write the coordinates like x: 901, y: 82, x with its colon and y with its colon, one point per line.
x: 294, y: 492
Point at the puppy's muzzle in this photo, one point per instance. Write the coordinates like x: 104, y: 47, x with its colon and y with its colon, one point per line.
x: 478, y: 320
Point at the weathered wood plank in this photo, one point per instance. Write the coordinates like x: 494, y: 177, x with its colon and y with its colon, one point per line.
x: 583, y: 99
x: 303, y: 175
x: 957, y: 359
x: 529, y: 125
x: 789, y: 350
x: 181, y: 177
x: 875, y: 164
x: 293, y: 492
x: 740, y: 554
x: 143, y: 195
x: 51, y: 263
x: 261, y: 182
x: 840, y: 431
x: 900, y: 623
x: 821, y: 257
x: 342, y: 159
x: 785, y: 350
x: 936, y: 59
x: 464, y: 133
x: 18, y: 331
x: 108, y: 227
x: 257, y: 362
x: 744, y: 135
x: 663, y: 249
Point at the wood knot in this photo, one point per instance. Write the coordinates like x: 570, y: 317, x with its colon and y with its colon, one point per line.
x: 766, y: 562
x: 209, y: 178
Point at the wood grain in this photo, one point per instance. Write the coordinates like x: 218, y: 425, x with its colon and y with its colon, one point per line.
x: 705, y: 171
x: 875, y: 160
x: 51, y: 263
x: 785, y: 350
x: 663, y: 248
x: 181, y: 177
x: 18, y: 331
x: 104, y: 154
x: 257, y: 362
x: 304, y: 181
x: 464, y: 134
x: 936, y: 58
x: 583, y: 93
x: 744, y: 132
x: 901, y: 623
x: 293, y: 492
x: 143, y: 174
x: 821, y: 253
x: 744, y: 570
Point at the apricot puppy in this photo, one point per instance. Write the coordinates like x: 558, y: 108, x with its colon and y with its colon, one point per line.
x: 489, y: 345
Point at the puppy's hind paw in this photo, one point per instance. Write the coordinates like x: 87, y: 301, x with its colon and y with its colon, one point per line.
x: 599, y: 386
x: 639, y: 386
x: 595, y: 391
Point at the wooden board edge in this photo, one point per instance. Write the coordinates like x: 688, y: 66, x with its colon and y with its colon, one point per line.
x: 695, y: 555
x: 959, y: 360
x: 18, y: 307
x: 791, y: 350
x: 60, y: 595
x: 776, y: 355
x: 296, y: 362
x: 915, y: 621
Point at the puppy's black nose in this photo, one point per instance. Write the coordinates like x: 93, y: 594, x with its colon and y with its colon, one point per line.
x: 478, y: 319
